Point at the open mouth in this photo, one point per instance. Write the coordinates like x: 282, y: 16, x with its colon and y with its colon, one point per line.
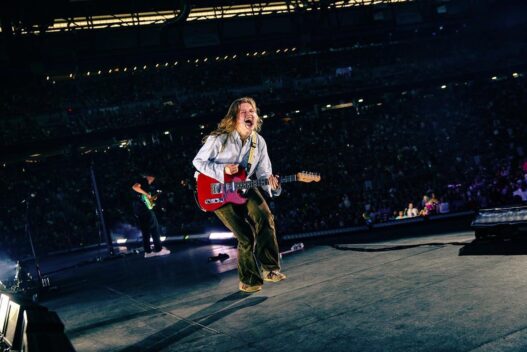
x: 249, y: 123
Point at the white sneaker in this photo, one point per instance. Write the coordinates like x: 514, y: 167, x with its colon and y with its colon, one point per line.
x: 150, y: 254
x: 273, y: 276
x: 163, y: 251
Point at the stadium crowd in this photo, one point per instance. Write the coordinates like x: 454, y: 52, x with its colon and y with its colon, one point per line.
x: 153, y: 93
x: 436, y: 149
x: 405, y: 126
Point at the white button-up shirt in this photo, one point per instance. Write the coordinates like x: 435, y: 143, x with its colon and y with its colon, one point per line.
x: 224, y: 149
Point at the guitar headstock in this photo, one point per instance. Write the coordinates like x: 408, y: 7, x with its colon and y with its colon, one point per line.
x: 306, y: 176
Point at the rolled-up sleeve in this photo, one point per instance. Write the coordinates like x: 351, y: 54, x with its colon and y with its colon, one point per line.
x: 264, y: 168
x: 204, y: 160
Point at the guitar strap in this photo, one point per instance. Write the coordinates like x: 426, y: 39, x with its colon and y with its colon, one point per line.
x: 251, y: 152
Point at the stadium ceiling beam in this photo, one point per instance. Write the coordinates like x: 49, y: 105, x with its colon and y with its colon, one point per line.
x: 197, y: 10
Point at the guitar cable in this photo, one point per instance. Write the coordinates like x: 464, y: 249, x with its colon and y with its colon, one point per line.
x: 396, y: 248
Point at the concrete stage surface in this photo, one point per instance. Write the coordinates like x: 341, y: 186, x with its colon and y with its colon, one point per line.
x: 425, y: 298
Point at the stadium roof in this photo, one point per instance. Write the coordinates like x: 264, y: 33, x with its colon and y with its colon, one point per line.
x: 60, y: 16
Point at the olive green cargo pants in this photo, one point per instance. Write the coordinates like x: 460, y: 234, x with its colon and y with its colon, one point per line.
x: 253, y: 225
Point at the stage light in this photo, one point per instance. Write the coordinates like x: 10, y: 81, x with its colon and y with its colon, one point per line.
x: 361, y: 100
x: 88, y: 73
x: 286, y: 50
x: 443, y: 86
x: 157, y: 65
x: 265, y: 116
x: 293, y: 49
x: 297, y: 111
x: 47, y: 78
x: 205, y: 59
x: 277, y: 51
x: 99, y: 72
x: 217, y: 58
x: 264, y: 52
x: 121, y: 240
x: 166, y: 132
x: 145, y: 67
x: 166, y: 64
x: 234, y: 56
x: 110, y: 71
x: 220, y: 235
x: 71, y: 75
x: 328, y: 106
x: 135, y: 68
x: 515, y: 75
x: 175, y: 63
x: 163, y: 238
x: 494, y: 78
x: 125, y: 69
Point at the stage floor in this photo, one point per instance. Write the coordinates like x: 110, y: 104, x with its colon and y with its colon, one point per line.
x: 426, y: 298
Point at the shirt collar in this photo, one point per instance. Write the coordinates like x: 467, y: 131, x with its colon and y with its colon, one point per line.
x: 236, y: 135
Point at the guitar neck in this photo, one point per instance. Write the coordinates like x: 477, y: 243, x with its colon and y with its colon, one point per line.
x: 262, y: 182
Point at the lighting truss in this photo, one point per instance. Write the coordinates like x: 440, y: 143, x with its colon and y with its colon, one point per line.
x: 224, y: 11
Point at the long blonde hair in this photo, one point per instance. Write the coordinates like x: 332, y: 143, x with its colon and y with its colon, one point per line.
x: 228, y: 122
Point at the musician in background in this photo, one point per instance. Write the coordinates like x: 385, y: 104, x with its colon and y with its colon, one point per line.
x: 225, y: 151
x: 145, y: 215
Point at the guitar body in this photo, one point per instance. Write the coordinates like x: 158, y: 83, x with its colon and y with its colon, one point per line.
x: 212, y: 195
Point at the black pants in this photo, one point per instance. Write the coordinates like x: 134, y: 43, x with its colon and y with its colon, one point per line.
x: 147, y: 221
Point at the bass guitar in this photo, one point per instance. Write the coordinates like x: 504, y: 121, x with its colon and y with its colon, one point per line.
x: 212, y: 195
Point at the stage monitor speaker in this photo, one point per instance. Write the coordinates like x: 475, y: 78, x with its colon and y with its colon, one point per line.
x: 14, y: 323
x: 15, y: 318
x: 4, y: 306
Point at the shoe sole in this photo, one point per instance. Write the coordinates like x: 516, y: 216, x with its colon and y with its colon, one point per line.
x: 253, y: 290
x: 270, y: 280
x: 156, y: 255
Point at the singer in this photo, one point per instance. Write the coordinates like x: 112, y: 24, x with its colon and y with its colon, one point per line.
x: 236, y: 144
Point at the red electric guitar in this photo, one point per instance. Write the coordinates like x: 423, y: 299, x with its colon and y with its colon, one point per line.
x: 213, y: 195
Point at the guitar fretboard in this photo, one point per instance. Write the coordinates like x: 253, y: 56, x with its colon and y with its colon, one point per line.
x: 261, y: 182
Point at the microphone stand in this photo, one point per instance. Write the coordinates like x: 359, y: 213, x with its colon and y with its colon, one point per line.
x: 102, y: 223
x: 30, y: 237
